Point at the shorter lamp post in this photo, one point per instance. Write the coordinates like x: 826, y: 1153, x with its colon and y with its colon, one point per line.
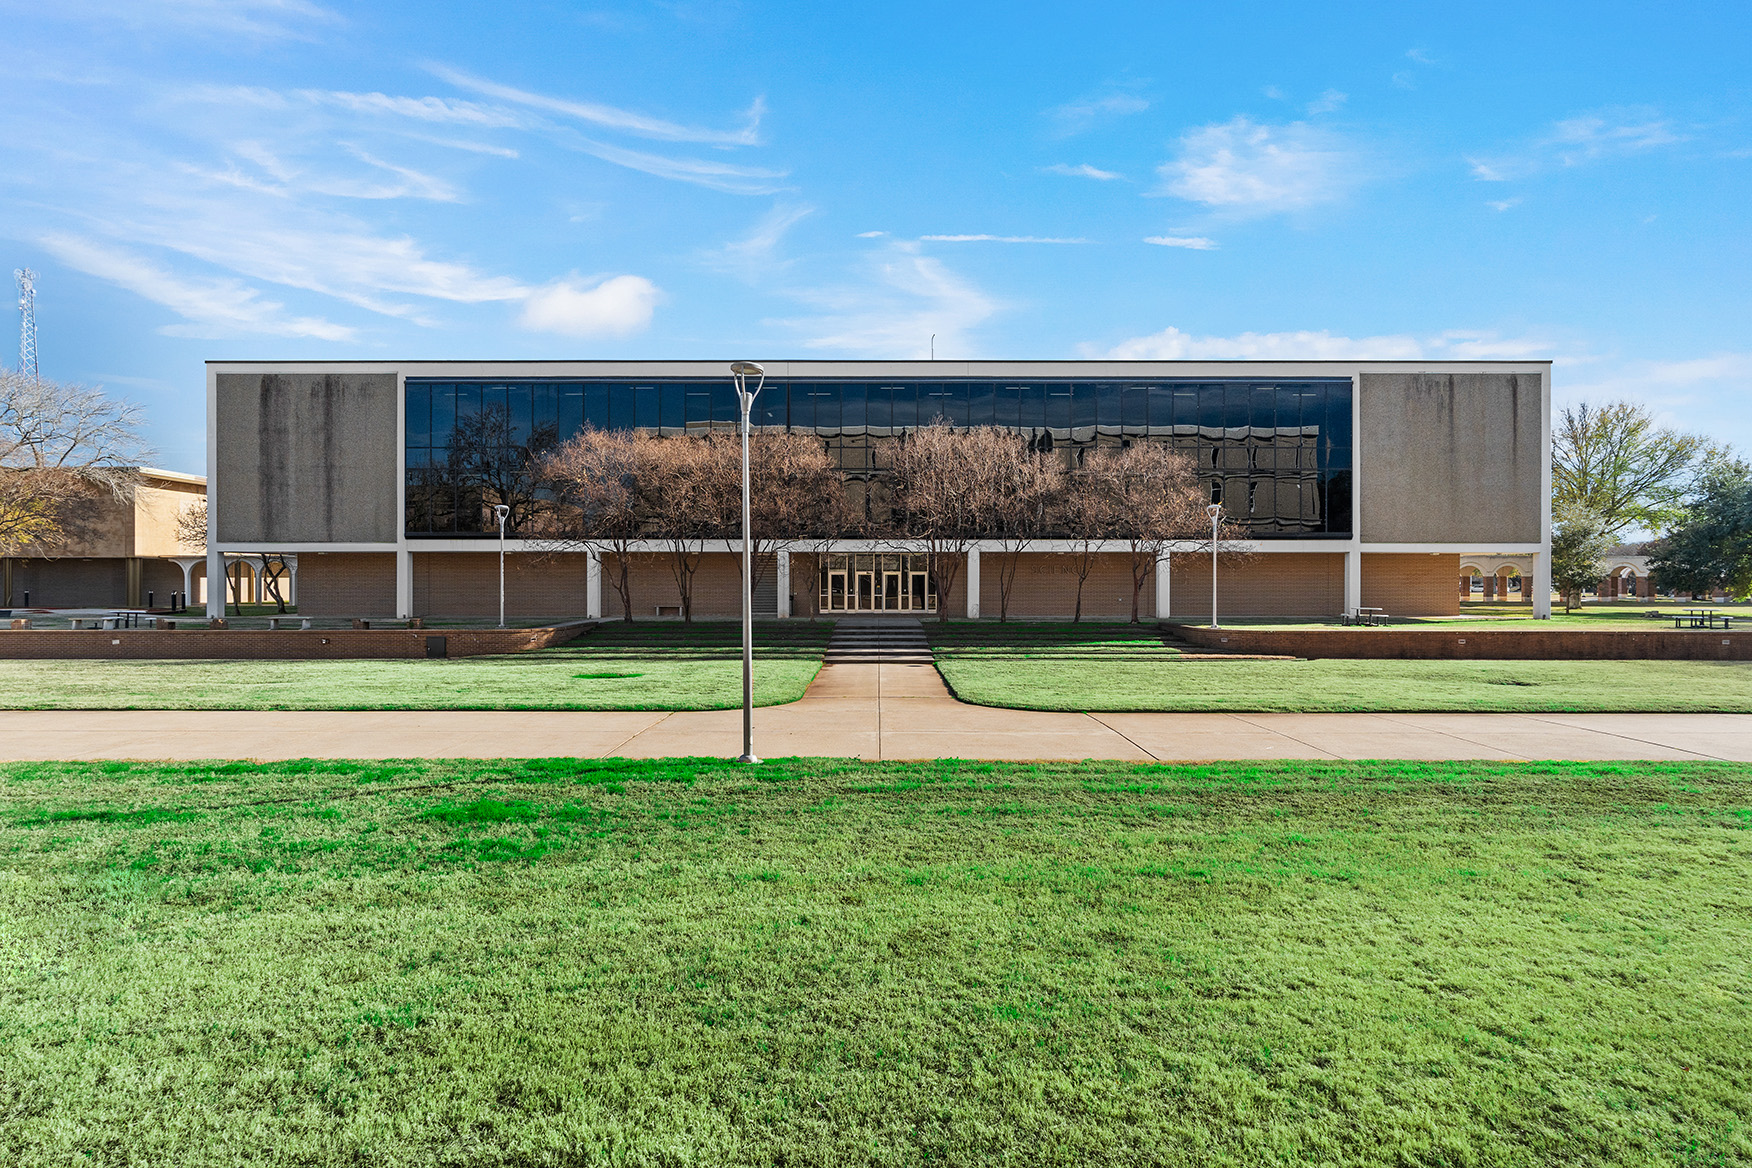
x: 741, y: 371
x: 1215, y: 512
x: 501, y: 512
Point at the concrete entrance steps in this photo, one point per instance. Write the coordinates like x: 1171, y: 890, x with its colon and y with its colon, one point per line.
x: 884, y: 640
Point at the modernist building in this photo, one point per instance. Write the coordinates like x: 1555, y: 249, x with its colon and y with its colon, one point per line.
x: 1359, y: 484
x: 124, y: 554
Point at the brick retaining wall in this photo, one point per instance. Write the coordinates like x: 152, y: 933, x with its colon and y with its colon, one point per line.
x: 1487, y: 644
x: 286, y: 645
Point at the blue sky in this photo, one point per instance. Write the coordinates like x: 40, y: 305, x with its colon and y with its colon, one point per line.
x: 198, y: 179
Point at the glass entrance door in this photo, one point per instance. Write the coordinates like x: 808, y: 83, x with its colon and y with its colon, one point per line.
x: 891, y: 596
x: 917, y: 594
x: 836, y: 591
x: 866, y: 591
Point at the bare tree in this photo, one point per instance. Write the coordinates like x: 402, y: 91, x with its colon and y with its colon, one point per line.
x: 1020, y: 501
x: 62, y: 449
x: 1084, y: 511
x: 191, y: 524
x: 594, y: 480
x: 692, y: 492
x: 942, y: 485
x: 1153, y: 499
x: 796, y: 495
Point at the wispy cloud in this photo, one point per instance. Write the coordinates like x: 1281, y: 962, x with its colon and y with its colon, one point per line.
x: 1578, y: 141
x: 1082, y: 170
x: 996, y: 239
x: 210, y: 307
x: 423, y: 109
x: 1327, y: 102
x: 1502, y: 204
x: 901, y: 300
x: 1074, y: 117
x: 1171, y: 344
x: 754, y: 253
x: 275, y: 176
x: 1190, y: 242
x: 246, y: 19
x: 611, y: 117
x: 1249, y: 168
x: 719, y: 176
x: 617, y: 306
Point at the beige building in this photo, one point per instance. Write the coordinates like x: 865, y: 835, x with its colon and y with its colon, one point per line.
x: 1358, y: 484
x: 123, y: 553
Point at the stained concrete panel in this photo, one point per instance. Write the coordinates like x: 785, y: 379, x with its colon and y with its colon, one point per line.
x: 1451, y: 457
x: 306, y: 457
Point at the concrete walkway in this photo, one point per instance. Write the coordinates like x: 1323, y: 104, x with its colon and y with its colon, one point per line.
x: 872, y: 712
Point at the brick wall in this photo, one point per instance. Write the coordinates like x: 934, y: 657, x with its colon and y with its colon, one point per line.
x: 260, y: 645
x: 348, y: 584
x: 1410, y: 585
x: 1482, y: 644
x: 1046, y: 586
x: 70, y: 582
x: 1266, y: 584
x: 467, y: 584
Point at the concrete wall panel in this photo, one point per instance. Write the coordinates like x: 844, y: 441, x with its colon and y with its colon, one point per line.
x: 306, y: 457
x: 1451, y: 457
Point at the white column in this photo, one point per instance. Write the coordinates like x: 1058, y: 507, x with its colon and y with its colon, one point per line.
x: 292, y: 582
x: 972, y: 583
x: 784, y: 572
x: 1162, y: 597
x: 404, y: 583
x: 1353, y: 580
x: 593, y: 585
x: 215, y: 581
x: 188, y: 569
x: 1541, y: 583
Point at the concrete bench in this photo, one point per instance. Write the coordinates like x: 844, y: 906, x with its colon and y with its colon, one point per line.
x: 671, y: 608
x: 275, y: 623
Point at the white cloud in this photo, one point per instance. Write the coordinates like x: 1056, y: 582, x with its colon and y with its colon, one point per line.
x: 1577, y: 141
x: 1502, y: 204
x: 1083, y: 170
x: 1190, y: 242
x: 1420, y: 56
x: 1173, y: 345
x: 1077, y: 116
x: 617, y: 306
x: 720, y: 176
x: 252, y: 19
x: 610, y: 117
x: 1242, y: 166
x: 753, y: 253
x: 904, y: 299
x: 996, y: 239
x: 212, y: 307
x: 1327, y: 102
x: 423, y: 109
x: 871, y: 234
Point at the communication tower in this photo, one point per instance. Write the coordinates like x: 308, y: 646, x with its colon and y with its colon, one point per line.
x: 27, y: 353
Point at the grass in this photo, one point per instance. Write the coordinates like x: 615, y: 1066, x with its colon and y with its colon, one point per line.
x: 1335, y: 685
x: 1045, y: 640
x: 559, y: 962
x: 584, y: 677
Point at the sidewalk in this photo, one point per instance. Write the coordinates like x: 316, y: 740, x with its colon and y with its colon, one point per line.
x: 871, y: 712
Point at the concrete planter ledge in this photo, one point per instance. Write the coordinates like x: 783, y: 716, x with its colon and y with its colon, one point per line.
x: 1487, y: 644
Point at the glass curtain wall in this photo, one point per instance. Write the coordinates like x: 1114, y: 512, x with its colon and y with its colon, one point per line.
x: 1276, y: 454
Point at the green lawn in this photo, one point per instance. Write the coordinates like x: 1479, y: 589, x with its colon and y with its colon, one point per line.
x: 560, y: 962
x: 1622, y: 614
x: 1687, y: 686
x: 1046, y: 640
x: 555, y: 679
x: 669, y: 665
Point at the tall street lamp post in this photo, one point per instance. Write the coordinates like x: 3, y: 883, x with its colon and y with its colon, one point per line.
x: 1215, y: 512
x: 741, y: 371
x: 501, y: 513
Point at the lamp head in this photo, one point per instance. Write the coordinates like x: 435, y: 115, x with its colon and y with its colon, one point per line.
x: 1214, y: 510
x: 746, y: 369
x: 500, y: 511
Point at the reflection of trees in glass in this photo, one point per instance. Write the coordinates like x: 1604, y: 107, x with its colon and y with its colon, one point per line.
x: 482, y: 464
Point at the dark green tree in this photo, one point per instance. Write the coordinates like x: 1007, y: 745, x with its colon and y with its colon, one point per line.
x: 1580, y: 540
x: 1710, y: 546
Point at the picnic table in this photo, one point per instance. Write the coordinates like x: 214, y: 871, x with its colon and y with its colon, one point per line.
x: 1365, y: 616
x: 123, y: 618
x: 1703, y: 618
